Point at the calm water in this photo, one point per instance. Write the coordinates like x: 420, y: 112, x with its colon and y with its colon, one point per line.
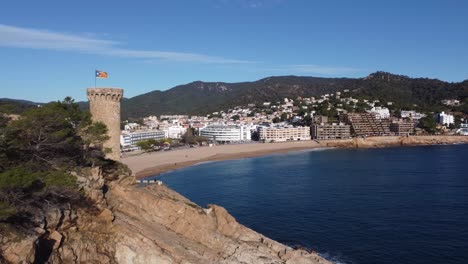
x: 394, y: 205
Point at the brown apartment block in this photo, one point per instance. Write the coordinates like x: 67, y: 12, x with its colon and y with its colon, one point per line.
x: 366, y: 125
x: 402, y: 128
x: 331, y: 131
x: 104, y: 105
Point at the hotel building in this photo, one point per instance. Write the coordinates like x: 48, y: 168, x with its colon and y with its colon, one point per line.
x: 446, y: 119
x: 226, y: 133
x: 278, y: 134
x: 129, y: 139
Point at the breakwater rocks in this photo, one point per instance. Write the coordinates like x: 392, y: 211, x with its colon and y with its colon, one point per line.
x: 126, y: 224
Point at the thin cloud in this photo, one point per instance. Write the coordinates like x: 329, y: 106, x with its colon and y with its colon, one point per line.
x: 17, y: 37
x: 167, y: 55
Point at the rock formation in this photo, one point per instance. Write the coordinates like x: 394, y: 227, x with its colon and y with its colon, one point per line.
x: 380, y: 142
x: 123, y: 223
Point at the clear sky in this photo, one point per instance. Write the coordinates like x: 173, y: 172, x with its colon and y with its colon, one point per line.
x: 49, y: 49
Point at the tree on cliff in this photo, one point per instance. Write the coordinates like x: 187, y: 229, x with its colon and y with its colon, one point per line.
x: 38, y: 151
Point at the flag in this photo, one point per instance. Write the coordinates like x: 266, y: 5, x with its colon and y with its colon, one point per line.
x: 101, y: 74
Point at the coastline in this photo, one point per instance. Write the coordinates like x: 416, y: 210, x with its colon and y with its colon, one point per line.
x: 153, y: 164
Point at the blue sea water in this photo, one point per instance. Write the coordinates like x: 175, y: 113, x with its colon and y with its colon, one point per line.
x: 392, y: 205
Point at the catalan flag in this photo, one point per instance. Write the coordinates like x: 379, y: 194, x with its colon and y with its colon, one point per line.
x: 101, y: 74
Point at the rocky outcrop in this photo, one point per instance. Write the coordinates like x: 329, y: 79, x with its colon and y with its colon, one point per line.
x: 176, y: 230
x: 380, y: 142
x: 126, y: 224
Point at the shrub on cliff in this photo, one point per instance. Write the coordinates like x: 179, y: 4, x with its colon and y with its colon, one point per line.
x: 37, y: 150
x: 55, y: 135
x: 25, y: 192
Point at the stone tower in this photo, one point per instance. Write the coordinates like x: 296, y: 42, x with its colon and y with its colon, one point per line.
x: 104, y: 105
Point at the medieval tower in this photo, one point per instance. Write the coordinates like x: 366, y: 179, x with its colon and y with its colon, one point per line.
x: 104, y: 105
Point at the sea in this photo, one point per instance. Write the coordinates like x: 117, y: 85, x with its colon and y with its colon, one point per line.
x: 367, y: 206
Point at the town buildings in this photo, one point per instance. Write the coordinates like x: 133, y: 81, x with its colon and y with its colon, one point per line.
x: 402, y: 128
x: 380, y: 112
x: 283, y: 133
x: 174, y: 131
x: 366, y: 124
x: 451, y: 102
x: 446, y: 119
x: 237, y: 123
x: 412, y: 115
x: 463, y: 130
x: 319, y: 119
x: 226, y: 133
x: 331, y: 131
x: 129, y: 139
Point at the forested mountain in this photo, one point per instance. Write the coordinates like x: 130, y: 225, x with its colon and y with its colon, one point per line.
x: 13, y: 106
x: 200, y: 98
x: 206, y: 97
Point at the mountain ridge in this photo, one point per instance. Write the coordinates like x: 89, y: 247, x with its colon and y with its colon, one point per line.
x: 201, y: 98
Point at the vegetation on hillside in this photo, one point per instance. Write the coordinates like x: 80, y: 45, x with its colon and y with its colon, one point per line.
x: 10, y: 106
x: 201, y: 98
x: 38, y: 152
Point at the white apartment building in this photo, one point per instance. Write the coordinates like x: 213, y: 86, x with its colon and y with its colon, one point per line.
x: 175, y: 131
x: 278, y: 134
x: 380, y: 112
x: 446, y: 119
x: 169, y: 117
x: 128, y: 139
x: 132, y: 126
x: 412, y: 114
x: 451, y: 102
x: 463, y: 130
x: 226, y: 133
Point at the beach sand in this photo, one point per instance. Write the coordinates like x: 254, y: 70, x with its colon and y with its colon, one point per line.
x: 158, y: 162
x: 155, y: 163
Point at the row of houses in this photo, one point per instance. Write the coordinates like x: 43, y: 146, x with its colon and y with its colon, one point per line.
x: 352, y: 124
x: 267, y: 133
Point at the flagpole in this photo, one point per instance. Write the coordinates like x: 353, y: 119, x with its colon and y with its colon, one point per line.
x: 95, y: 78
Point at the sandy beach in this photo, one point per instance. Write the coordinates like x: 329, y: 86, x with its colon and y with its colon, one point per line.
x: 155, y: 163
x: 158, y: 162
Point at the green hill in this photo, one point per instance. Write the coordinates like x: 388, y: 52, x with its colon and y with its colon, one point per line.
x: 206, y: 97
x: 13, y: 106
x: 201, y: 98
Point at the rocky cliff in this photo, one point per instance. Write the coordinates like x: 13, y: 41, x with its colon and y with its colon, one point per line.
x: 122, y: 223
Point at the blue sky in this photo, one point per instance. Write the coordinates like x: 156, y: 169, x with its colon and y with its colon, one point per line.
x: 49, y: 49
